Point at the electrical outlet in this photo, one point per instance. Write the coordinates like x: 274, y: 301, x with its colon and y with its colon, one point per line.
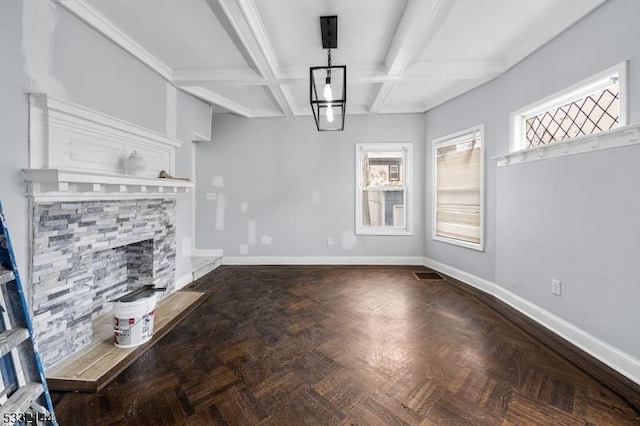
x: 211, y: 196
x: 556, y: 287
x: 329, y: 242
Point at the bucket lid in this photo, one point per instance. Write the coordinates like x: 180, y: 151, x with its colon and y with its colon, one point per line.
x: 141, y: 293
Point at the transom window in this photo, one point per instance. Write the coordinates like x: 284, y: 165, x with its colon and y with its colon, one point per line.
x: 592, y: 106
x: 383, y: 188
x: 458, y: 162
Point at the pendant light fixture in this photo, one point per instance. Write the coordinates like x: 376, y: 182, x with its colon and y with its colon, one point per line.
x: 328, y: 84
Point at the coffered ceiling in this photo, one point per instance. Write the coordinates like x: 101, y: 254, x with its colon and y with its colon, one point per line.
x: 252, y: 57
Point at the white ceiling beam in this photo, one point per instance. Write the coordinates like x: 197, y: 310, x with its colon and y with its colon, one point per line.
x: 381, y: 97
x: 245, y: 21
x: 420, y: 22
x: 245, y: 76
x: 99, y: 22
x: 216, y: 99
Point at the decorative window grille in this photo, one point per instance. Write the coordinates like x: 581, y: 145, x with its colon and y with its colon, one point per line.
x: 591, y: 106
x: 590, y: 114
x: 458, y: 188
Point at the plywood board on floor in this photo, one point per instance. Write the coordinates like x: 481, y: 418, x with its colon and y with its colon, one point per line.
x: 100, y: 362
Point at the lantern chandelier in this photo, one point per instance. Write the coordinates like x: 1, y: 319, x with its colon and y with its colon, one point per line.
x: 329, y: 103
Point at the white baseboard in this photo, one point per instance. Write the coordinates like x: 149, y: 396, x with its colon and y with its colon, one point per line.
x: 207, y: 253
x: 183, y: 281
x: 621, y: 362
x: 322, y: 260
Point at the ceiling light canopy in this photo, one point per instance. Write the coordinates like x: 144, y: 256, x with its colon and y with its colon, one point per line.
x: 328, y: 84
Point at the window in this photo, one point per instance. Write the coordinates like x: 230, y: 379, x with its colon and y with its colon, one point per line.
x: 383, y: 189
x: 458, y: 188
x: 592, y: 106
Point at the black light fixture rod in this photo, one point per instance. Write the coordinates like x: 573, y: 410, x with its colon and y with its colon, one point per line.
x: 328, y: 81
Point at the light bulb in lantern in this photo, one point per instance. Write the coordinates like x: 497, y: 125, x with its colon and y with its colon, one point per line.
x: 330, y: 114
x: 328, y: 95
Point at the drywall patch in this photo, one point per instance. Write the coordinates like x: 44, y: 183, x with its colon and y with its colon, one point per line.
x: 348, y: 239
x: 266, y: 240
x: 315, y: 198
x: 244, y: 207
x: 220, y: 207
x: 252, y: 238
x: 39, y: 21
x: 217, y: 182
x: 244, y: 249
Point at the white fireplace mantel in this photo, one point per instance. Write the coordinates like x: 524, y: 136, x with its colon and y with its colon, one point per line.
x: 57, y: 184
x: 77, y: 153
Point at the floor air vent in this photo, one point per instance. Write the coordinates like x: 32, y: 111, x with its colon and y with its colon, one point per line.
x: 428, y: 276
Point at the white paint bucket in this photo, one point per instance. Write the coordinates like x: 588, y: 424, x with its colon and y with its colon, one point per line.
x: 133, y: 321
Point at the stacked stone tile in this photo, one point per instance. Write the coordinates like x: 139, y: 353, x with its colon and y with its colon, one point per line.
x: 88, y: 252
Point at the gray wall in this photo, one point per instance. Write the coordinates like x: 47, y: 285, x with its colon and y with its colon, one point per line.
x: 276, y: 165
x: 13, y: 126
x: 571, y: 218
x: 46, y: 49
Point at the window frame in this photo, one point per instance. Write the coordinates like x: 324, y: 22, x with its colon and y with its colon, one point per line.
x: 407, y: 149
x: 448, y: 140
x: 517, y: 119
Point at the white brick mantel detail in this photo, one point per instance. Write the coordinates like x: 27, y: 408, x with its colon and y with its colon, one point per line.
x: 78, y: 153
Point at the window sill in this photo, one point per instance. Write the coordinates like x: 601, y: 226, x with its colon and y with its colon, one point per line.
x: 461, y: 243
x: 622, y: 136
x: 382, y: 231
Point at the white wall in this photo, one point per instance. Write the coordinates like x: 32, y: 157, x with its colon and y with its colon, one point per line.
x: 44, y: 48
x: 572, y: 218
x: 277, y: 167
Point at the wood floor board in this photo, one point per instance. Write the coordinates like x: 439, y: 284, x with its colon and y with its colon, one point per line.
x: 96, y: 365
x: 343, y: 345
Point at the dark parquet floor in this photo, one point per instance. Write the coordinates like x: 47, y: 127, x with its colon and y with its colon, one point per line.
x: 321, y: 345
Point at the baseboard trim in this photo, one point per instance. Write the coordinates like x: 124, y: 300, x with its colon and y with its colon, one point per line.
x: 207, y: 253
x: 323, y: 260
x: 183, y: 281
x: 604, y: 362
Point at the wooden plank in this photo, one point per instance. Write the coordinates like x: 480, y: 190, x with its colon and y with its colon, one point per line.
x: 10, y: 339
x: 96, y: 365
x: 22, y: 399
x: 5, y: 275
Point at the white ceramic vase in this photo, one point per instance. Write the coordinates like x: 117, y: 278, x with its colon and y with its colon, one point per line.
x: 134, y: 164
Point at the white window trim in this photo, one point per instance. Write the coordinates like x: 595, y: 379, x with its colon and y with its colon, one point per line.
x: 591, y: 84
x: 408, y: 209
x: 452, y: 139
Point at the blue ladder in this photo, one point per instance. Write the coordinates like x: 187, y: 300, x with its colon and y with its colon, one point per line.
x: 24, y: 395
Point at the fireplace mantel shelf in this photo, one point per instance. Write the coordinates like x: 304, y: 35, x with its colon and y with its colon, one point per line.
x: 60, y: 184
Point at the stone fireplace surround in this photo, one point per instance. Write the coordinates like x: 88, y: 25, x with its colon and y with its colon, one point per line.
x: 86, y: 253
x: 95, y: 231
